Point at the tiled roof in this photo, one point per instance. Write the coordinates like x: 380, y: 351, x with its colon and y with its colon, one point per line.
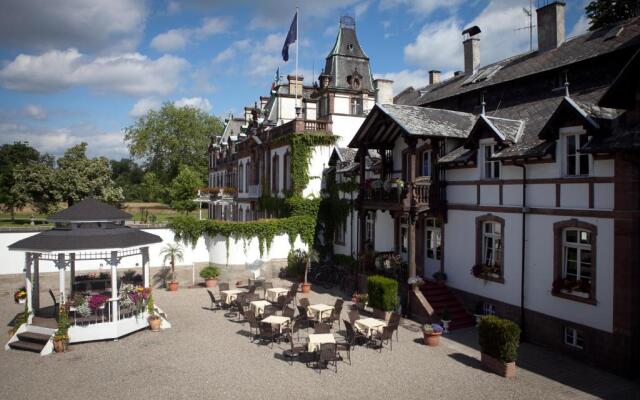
x: 90, y: 209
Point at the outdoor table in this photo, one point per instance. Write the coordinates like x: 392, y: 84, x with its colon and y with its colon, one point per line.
x: 273, y: 293
x: 316, y: 339
x: 230, y: 295
x: 278, y: 320
x: 258, y: 306
x: 319, y: 310
x: 369, y: 325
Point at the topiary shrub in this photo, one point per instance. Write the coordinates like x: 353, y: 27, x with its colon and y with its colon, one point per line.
x: 499, y: 338
x: 210, y: 272
x: 383, y: 292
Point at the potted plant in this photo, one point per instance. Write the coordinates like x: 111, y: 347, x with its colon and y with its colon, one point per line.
x: 20, y: 295
x: 154, y: 319
x: 61, y: 336
x: 308, y: 256
x: 499, y: 340
x: 360, y: 300
x: 446, y: 319
x: 383, y: 294
x: 431, y: 334
x: 172, y: 253
x: 210, y: 275
x: 415, y: 281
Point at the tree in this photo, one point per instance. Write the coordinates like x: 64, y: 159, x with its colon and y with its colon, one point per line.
x: 171, y: 137
x: 36, y: 183
x: 79, y: 177
x: 602, y: 13
x: 12, y: 157
x: 172, y: 253
x: 183, y: 190
x: 150, y: 188
x: 127, y: 175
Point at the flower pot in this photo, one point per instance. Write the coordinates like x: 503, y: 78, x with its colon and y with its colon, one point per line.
x: 59, y: 346
x: 306, y: 287
x: 173, y: 286
x: 211, y: 283
x: 506, y: 370
x: 431, y: 339
x: 154, y: 323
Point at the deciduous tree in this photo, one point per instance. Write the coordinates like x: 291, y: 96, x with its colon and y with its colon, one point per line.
x: 606, y: 12
x: 183, y: 190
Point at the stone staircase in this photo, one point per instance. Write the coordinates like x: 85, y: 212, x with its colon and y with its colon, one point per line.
x: 441, y: 298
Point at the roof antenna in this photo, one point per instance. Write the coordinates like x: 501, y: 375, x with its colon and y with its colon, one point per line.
x: 566, y: 84
x: 482, y: 103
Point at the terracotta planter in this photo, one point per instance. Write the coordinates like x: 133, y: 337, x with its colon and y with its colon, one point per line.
x: 506, y: 370
x: 154, y: 324
x: 173, y: 286
x: 59, y: 346
x: 431, y: 339
x: 306, y: 287
x: 211, y: 283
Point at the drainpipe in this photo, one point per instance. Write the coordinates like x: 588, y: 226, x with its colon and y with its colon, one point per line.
x: 525, y: 209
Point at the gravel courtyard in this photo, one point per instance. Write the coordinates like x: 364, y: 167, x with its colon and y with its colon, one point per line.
x: 207, y: 356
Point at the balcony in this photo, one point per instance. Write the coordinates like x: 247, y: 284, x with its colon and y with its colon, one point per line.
x: 396, y: 195
x: 300, y: 126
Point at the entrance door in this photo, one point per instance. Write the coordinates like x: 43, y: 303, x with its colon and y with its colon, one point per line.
x: 432, y: 247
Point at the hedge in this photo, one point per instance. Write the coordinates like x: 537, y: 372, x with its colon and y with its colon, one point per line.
x: 383, y: 292
x: 499, y: 338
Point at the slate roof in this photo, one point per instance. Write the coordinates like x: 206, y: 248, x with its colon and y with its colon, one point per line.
x: 86, y: 239
x: 425, y: 121
x: 232, y: 129
x: 90, y: 209
x: 621, y: 140
x: 573, y: 50
x: 346, y: 154
x: 345, y: 58
x: 507, y: 129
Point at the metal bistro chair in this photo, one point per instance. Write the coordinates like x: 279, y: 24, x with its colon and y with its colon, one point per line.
x: 303, y: 317
x: 267, y: 333
x: 288, y: 312
x: 214, y: 302
x: 394, y: 323
x: 353, y: 336
x: 385, y: 336
x: 254, y: 325
x: 328, y: 353
x: 322, y: 328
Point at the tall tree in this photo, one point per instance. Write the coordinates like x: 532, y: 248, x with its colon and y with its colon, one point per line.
x: 171, y: 137
x: 127, y: 175
x: 36, y: 184
x: 79, y: 177
x: 12, y: 157
x: 602, y: 13
x: 183, y: 189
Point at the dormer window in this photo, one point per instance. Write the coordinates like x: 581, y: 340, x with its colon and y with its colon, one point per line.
x: 490, y: 169
x: 575, y: 162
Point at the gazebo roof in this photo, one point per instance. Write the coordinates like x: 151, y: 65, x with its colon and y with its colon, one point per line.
x: 56, y: 239
x: 90, y: 210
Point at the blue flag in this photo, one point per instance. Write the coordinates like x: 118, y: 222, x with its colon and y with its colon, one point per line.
x: 292, y: 36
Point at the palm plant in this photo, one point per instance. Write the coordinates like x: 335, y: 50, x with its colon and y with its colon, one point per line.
x: 172, y: 252
x: 309, y: 256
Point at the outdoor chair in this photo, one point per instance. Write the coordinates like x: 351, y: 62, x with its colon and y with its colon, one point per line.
x: 328, y: 353
x: 353, y: 336
x: 295, y: 350
x: 250, y: 317
x: 394, y: 323
x: 354, y: 315
x: 267, y: 333
x: 269, y: 311
x: 293, y: 327
x: 56, y: 305
x: 252, y: 289
x: 322, y: 328
x: 303, y: 316
x: 223, y: 286
x: 346, y: 345
x: 288, y: 312
x: 385, y: 336
x: 304, y: 302
x: 334, y: 317
x: 214, y: 302
x: 281, y: 302
x: 338, y: 305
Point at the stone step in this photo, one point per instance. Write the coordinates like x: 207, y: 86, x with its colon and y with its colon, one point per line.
x: 33, y: 337
x: 27, y: 346
x: 45, y: 322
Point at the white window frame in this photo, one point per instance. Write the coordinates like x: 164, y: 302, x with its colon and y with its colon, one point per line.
x: 496, y: 240
x: 573, y: 338
x: 494, y: 166
x: 579, y: 247
x: 433, y: 239
x: 403, y: 235
x: 356, y: 106
x: 340, y: 233
x: 370, y: 228
x: 579, y: 135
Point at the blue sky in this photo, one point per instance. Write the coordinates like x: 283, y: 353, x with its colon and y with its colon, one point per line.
x: 82, y: 71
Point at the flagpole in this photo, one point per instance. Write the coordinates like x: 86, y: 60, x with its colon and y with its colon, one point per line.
x: 297, y: 41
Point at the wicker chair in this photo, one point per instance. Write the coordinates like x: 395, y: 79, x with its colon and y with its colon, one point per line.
x: 385, y: 336
x: 293, y: 327
x: 334, y: 317
x: 327, y: 353
x: 304, y: 302
x: 288, y: 312
x: 353, y: 336
x: 295, y: 350
x: 281, y: 303
x: 322, y: 328
x: 394, y: 323
x: 214, y: 302
x: 302, y: 316
x: 268, y: 311
x: 223, y: 286
x: 250, y: 317
x: 354, y: 315
x: 267, y: 333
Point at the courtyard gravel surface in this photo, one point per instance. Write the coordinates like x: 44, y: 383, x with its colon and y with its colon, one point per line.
x: 206, y: 355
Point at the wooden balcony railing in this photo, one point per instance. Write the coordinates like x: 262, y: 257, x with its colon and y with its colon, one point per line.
x: 421, y: 190
x: 416, y: 194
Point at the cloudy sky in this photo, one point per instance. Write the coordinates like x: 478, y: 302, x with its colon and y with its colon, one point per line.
x: 83, y: 70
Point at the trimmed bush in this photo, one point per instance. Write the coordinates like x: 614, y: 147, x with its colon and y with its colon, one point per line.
x: 295, y: 264
x: 210, y: 272
x: 499, y: 338
x: 383, y: 292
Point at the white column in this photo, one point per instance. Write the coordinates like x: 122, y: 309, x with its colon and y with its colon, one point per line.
x: 72, y: 273
x: 35, y: 257
x: 27, y: 281
x: 114, y: 286
x: 145, y: 265
x: 61, y: 262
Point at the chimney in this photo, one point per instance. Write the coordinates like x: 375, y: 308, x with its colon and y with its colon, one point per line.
x: 471, y: 46
x: 550, y: 26
x: 434, y: 77
x: 293, y: 81
x: 247, y: 114
x: 384, y: 91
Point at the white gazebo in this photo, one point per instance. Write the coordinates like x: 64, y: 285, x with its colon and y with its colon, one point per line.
x: 89, y: 230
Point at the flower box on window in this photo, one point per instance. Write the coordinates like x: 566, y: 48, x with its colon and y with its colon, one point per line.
x: 572, y: 288
x: 487, y: 272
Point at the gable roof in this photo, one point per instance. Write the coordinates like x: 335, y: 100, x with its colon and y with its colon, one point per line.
x: 507, y: 130
x: 90, y: 209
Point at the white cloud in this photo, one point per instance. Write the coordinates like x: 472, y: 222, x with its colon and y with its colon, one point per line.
x: 144, y: 105
x: 230, y: 52
x: 177, y: 39
x: 35, y: 112
x: 439, y: 45
x: 131, y: 73
x: 195, y: 102
x: 361, y: 8
x: 276, y: 14
x: 422, y: 7
x: 103, y: 26
x: 581, y: 26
